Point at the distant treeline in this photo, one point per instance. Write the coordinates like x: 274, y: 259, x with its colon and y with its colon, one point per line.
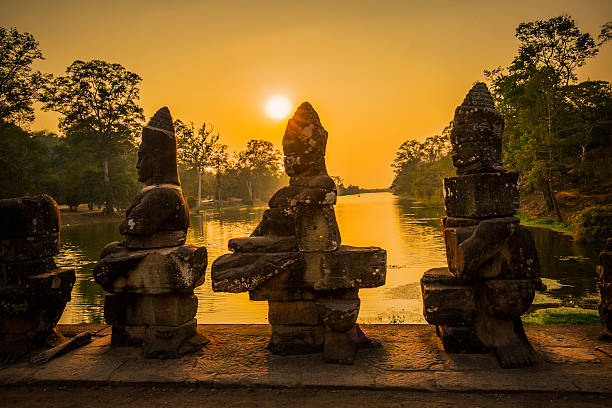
x: 558, y: 131
x: 93, y: 160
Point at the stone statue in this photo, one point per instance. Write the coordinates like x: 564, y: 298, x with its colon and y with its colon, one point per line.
x: 604, y: 272
x: 493, y: 268
x: 152, y: 275
x: 33, y: 291
x: 294, y: 258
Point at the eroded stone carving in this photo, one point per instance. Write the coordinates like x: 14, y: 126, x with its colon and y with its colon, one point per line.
x: 152, y: 274
x: 33, y: 291
x: 294, y: 258
x: 604, y: 271
x: 493, y: 268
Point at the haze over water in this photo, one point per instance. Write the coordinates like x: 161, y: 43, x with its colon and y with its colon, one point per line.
x: 408, y: 230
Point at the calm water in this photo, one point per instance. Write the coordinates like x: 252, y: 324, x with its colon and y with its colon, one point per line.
x: 409, y: 231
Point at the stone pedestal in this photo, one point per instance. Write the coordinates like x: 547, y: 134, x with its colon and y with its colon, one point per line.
x: 604, y: 271
x: 151, y: 275
x: 493, y: 268
x: 33, y: 291
x: 295, y: 260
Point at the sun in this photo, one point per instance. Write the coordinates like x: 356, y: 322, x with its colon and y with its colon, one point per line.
x: 278, y: 107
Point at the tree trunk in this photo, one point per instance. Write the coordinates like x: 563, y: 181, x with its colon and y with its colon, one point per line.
x: 218, y: 189
x: 555, y: 203
x: 199, y: 189
x: 108, y: 205
x: 250, y: 189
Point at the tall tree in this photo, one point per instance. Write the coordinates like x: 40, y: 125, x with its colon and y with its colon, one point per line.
x: 531, y: 94
x: 259, y: 162
x: 98, y: 102
x: 18, y: 83
x: 219, y: 161
x: 194, y: 148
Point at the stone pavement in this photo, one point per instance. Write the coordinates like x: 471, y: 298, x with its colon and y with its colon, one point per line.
x: 409, y: 357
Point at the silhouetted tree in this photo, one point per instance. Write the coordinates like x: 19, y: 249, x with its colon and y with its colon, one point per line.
x: 18, y: 83
x: 98, y: 104
x: 194, y: 149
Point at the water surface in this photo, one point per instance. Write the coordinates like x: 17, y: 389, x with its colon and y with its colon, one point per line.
x: 408, y: 230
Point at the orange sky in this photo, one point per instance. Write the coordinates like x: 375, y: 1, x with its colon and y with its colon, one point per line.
x: 378, y: 72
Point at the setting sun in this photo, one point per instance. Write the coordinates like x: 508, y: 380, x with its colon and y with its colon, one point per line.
x: 278, y: 107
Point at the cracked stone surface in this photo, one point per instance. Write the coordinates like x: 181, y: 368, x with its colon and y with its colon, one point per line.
x: 408, y: 357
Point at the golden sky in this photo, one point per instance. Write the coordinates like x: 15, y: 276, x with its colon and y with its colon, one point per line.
x: 378, y: 72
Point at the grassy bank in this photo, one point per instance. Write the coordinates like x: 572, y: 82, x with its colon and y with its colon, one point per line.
x: 562, y: 315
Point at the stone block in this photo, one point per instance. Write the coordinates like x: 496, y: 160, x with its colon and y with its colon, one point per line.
x: 281, y: 288
x: 316, y: 228
x: 266, y: 243
x: 14, y: 273
x: 123, y: 336
x: 605, y: 308
x: 348, y: 267
x: 29, y: 216
x: 150, y: 310
x: 296, y: 339
x: 154, y: 271
x: 482, y: 195
x: 160, y: 239
x: 604, y: 266
x: 241, y: 272
x: 28, y: 248
x: 339, y: 347
x: 292, y: 196
x: 506, y: 299
x: 31, y: 320
x: 447, y: 300
x: 276, y: 221
x: 494, y: 248
x: 460, y: 340
x: 172, y: 341
x: 293, y: 312
x: 38, y: 292
x: 338, y: 314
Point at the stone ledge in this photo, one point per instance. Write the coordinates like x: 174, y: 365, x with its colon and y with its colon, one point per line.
x: 408, y: 358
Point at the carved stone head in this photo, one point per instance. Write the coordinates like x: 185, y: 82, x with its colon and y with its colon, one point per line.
x: 157, y: 152
x: 476, y: 136
x: 304, y: 143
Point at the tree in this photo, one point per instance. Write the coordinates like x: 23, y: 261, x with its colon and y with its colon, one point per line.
x: 532, y: 95
x: 98, y: 104
x: 259, y: 163
x: 420, y: 167
x: 219, y: 161
x: 194, y: 148
x: 18, y: 84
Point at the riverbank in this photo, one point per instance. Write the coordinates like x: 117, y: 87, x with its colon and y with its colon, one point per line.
x: 84, y: 216
x: 408, y: 361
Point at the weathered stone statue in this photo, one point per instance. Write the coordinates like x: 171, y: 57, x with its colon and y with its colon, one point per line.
x: 152, y: 275
x: 33, y: 291
x: 604, y: 270
x: 493, y: 268
x: 294, y: 258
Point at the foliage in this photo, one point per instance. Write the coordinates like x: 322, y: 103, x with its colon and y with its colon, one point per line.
x: 100, y: 116
x: 259, y: 166
x: 593, y: 225
x: 18, y: 83
x: 548, y: 116
x: 23, y: 159
x: 420, y: 167
x: 194, y: 149
x: 562, y: 315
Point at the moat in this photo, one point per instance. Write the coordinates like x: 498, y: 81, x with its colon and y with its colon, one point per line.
x: 410, y: 232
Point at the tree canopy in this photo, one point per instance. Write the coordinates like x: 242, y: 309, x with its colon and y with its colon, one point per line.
x: 18, y: 83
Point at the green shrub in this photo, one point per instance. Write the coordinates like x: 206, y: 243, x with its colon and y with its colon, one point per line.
x: 593, y: 225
